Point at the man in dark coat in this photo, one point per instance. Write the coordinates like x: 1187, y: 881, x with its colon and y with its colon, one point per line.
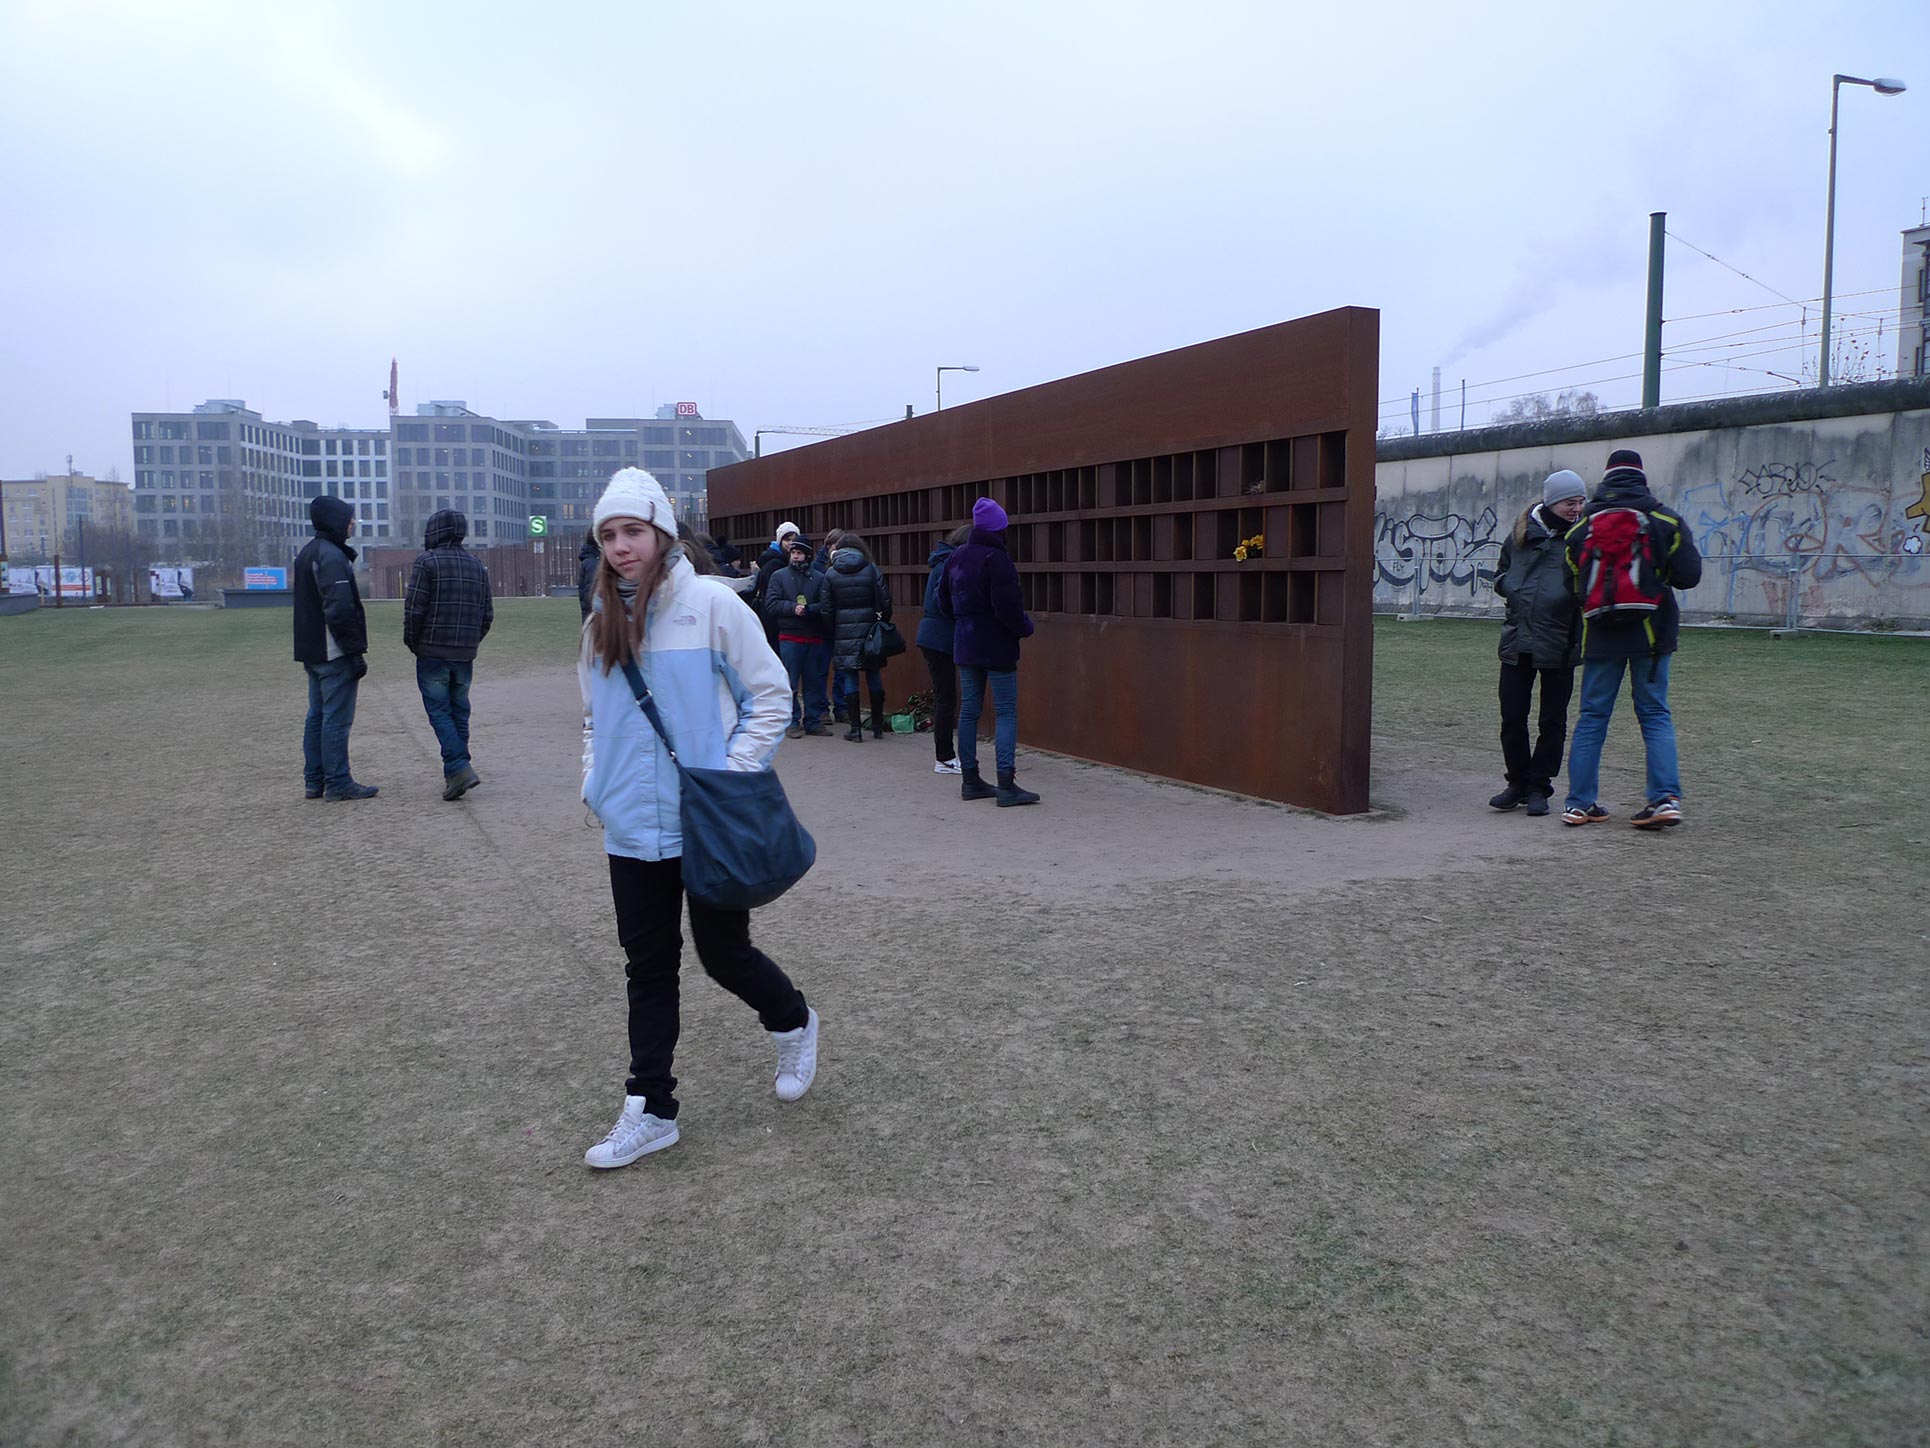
x: 1642, y: 650
x: 446, y: 613
x: 980, y: 594
x: 331, y: 645
x: 797, y: 601
x: 768, y: 562
x: 1540, y: 641
x: 587, y: 558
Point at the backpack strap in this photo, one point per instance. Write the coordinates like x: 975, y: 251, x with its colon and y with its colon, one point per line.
x: 649, y: 707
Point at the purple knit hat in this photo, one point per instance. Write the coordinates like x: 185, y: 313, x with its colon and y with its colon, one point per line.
x: 988, y: 515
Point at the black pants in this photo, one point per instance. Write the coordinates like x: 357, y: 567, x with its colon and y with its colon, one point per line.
x: 944, y: 701
x: 649, y: 898
x: 1536, y: 769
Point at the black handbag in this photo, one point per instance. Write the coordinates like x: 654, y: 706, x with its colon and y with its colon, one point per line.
x: 881, y: 641
x: 743, y: 844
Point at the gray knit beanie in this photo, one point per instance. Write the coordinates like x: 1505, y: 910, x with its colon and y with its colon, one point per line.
x: 1564, y: 484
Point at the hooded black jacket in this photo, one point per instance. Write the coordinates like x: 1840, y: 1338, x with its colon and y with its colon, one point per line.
x: 587, y: 558
x: 1544, y: 623
x: 327, y: 602
x: 1681, y: 568
x: 447, y: 609
x: 858, y: 598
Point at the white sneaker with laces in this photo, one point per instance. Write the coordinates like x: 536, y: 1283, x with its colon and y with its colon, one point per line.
x: 797, y: 1058
x: 945, y: 766
x: 637, y: 1133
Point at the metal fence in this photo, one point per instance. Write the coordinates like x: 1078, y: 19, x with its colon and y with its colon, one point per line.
x: 1458, y: 582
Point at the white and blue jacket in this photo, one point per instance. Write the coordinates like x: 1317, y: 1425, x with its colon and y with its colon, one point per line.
x: 723, y: 696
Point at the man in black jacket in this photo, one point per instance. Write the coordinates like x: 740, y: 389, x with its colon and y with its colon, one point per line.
x: 797, y: 606
x: 331, y: 644
x: 446, y: 613
x: 1641, y: 649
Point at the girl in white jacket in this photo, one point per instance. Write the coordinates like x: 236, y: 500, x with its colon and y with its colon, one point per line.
x: 725, y: 700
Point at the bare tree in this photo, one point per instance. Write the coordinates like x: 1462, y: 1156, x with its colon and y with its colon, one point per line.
x: 1539, y: 407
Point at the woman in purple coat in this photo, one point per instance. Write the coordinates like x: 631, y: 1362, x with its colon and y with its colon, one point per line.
x: 980, y: 593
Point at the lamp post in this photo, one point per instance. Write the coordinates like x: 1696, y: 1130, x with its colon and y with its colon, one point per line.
x: 940, y: 389
x: 1883, y: 86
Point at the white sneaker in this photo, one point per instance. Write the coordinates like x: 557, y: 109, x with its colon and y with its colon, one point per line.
x: 637, y: 1133
x: 797, y: 1058
x: 945, y: 766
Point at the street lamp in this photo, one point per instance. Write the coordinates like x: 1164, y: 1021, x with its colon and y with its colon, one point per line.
x: 1883, y: 86
x: 941, y: 383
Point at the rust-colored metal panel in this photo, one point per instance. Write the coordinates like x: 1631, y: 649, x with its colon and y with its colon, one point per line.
x: 1194, y: 537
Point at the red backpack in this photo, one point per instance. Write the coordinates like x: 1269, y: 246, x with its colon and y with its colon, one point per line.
x: 1619, y: 567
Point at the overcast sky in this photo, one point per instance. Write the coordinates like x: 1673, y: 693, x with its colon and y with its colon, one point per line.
x: 791, y: 213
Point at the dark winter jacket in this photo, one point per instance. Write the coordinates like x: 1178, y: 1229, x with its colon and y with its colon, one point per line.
x: 1544, y: 623
x: 780, y: 602
x: 858, y: 598
x: 980, y: 590
x: 587, y: 559
x: 446, y: 610
x: 1681, y: 566
x: 935, y: 628
x: 768, y: 562
x: 328, y: 605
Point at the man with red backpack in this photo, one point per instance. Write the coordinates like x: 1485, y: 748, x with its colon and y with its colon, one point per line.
x: 1626, y: 558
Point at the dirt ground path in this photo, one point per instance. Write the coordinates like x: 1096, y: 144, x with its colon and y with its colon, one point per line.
x: 1146, y: 1116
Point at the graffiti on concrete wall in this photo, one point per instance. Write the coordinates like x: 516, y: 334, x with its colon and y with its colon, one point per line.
x: 1804, y: 521
x: 1436, y: 551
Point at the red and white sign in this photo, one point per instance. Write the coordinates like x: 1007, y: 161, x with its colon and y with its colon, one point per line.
x: 686, y: 409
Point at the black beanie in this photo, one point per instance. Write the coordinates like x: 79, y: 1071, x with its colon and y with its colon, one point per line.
x: 1625, y: 457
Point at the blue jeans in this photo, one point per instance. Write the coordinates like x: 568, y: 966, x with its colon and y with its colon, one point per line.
x: 331, y: 710
x: 807, y: 681
x: 445, y: 698
x: 1005, y: 705
x: 1601, y: 682
x: 848, y: 686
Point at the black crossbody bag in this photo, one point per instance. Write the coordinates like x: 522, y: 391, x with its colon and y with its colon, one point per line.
x: 743, y: 844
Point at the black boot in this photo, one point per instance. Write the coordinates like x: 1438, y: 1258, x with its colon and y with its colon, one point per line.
x: 878, y: 716
x: 856, y: 731
x: 972, y: 785
x: 1010, y: 794
x: 1508, y: 798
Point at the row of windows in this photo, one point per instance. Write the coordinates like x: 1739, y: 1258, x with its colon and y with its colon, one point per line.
x: 350, y: 468
x: 358, y: 446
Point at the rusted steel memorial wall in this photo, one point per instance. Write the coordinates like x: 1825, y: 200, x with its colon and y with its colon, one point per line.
x: 1132, y: 491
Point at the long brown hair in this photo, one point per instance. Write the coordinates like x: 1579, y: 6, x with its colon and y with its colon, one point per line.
x: 613, y: 634
x: 856, y: 545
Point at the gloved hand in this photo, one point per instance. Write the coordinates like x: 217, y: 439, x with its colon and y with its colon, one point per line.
x: 358, y: 665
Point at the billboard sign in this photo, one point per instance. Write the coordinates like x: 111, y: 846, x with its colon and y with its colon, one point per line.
x: 686, y: 409
x: 171, y: 582
x: 264, y: 578
x: 71, y: 583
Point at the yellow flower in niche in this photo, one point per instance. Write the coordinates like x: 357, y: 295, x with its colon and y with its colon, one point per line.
x: 1239, y: 553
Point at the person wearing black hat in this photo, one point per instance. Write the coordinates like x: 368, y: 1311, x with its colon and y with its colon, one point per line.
x: 331, y: 645
x: 1626, y: 558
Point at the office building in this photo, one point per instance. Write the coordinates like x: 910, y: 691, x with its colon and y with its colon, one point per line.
x: 55, y: 513
x: 1913, y: 306
x: 223, y: 484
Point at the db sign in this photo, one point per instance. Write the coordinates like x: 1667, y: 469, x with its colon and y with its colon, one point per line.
x: 686, y: 409
x: 539, y: 526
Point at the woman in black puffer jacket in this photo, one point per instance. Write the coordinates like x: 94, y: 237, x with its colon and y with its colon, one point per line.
x: 859, y: 598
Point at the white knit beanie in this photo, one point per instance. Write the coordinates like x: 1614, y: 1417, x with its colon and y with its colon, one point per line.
x: 782, y: 530
x: 633, y: 493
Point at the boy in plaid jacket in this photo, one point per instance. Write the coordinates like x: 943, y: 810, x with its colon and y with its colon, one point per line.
x: 445, y: 615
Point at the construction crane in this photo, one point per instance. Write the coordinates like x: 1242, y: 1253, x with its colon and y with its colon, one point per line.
x: 757, y: 438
